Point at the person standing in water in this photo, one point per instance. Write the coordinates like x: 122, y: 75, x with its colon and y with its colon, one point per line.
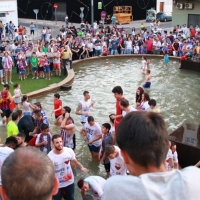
x: 166, y: 58
x: 147, y: 79
x: 84, y: 106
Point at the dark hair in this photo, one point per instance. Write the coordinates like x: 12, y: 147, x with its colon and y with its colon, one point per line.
x: 85, y: 92
x: 55, y: 137
x: 80, y: 183
x: 6, y: 86
x: 138, y: 97
x: 90, y: 119
x: 44, y: 127
x: 19, y: 112
x: 67, y: 109
x: 107, y: 126
x: 148, y: 71
x: 118, y: 90
x: 144, y: 137
x: 37, y: 113
x: 22, y: 135
x: 39, y: 172
x: 11, y: 140
x: 124, y: 103
x: 38, y: 104
x: 146, y: 96
x: 24, y: 98
x: 152, y: 102
x: 15, y: 116
x: 112, y: 120
x: 109, y: 150
x: 16, y: 85
x: 57, y: 96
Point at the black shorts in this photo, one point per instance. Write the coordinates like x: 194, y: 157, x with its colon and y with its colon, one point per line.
x: 6, y: 113
x: 107, y: 167
x: 74, y: 141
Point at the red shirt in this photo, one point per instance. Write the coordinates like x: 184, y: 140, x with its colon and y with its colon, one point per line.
x: 193, y: 32
x: 149, y: 44
x: 57, y: 104
x: 20, y: 31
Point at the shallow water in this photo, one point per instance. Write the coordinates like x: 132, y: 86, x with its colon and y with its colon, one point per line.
x: 176, y: 92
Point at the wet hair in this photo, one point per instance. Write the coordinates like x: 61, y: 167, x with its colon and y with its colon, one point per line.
x: 148, y: 71
x: 146, y: 96
x: 152, y: 102
x: 118, y: 90
x: 19, y: 112
x: 44, y: 127
x: 144, y: 137
x: 67, y: 109
x: 38, y: 104
x: 24, y: 98
x: 11, y: 140
x: 138, y: 97
x: 124, y: 103
x: 80, y: 183
x: 37, y: 113
x: 16, y: 85
x: 112, y: 120
x: 85, y: 92
x: 37, y: 174
x: 145, y: 58
x: 57, y: 96
x: 55, y: 137
x: 22, y: 135
x: 109, y: 150
x: 90, y: 119
x: 15, y: 116
x: 107, y: 126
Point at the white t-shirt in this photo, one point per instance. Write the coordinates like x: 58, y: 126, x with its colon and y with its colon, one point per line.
x: 144, y: 64
x: 17, y: 92
x: 169, y: 155
x: 175, y: 157
x: 176, y: 184
x: 128, y: 44
x: 131, y: 110
x: 26, y: 107
x: 4, y: 153
x: 97, y: 184
x: 95, y: 25
x: 85, y: 108
x: 43, y: 139
x: 92, y: 132
x: 62, y: 167
x: 145, y: 105
x: 117, y: 165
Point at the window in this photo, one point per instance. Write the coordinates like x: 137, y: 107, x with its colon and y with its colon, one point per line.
x: 2, y: 14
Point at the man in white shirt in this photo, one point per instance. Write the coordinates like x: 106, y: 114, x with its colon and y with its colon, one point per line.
x: 125, y: 106
x: 62, y: 158
x: 92, y: 135
x: 156, y: 46
x: 84, y: 106
x: 143, y: 140
x: 117, y: 165
x: 93, y: 185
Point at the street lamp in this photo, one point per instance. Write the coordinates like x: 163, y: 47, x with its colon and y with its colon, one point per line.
x: 55, y: 7
x: 36, y: 13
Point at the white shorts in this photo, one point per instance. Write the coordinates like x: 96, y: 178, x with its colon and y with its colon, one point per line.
x: 1, y: 73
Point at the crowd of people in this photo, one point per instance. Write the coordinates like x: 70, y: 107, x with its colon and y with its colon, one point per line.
x: 133, y: 147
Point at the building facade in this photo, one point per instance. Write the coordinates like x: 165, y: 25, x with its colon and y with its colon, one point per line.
x: 164, y: 6
x: 9, y: 12
x: 186, y: 12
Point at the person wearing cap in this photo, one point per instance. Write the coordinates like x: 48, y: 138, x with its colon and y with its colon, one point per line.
x: 106, y: 140
x: 93, y: 185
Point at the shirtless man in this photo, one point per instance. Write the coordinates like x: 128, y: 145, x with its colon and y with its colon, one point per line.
x: 84, y: 106
x: 147, y: 79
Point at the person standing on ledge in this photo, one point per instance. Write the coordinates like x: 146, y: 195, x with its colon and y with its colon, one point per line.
x: 118, y: 94
x: 143, y: 140
x: 84, y: 106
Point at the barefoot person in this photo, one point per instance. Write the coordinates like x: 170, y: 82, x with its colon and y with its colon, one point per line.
x: 84, y: 106
x: 147, y: 79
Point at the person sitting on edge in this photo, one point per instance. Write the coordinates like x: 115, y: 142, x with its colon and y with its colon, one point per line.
x: 143, y: 140
x: 147, y: 80
x: 36, y: 171
x: 12, y: 129
x: 153, y: 108
x: 21, y: 140
x: 43, y: 140
x: 92, y: 184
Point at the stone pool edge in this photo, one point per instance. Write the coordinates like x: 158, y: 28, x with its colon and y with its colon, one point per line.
x: 71, y: 73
